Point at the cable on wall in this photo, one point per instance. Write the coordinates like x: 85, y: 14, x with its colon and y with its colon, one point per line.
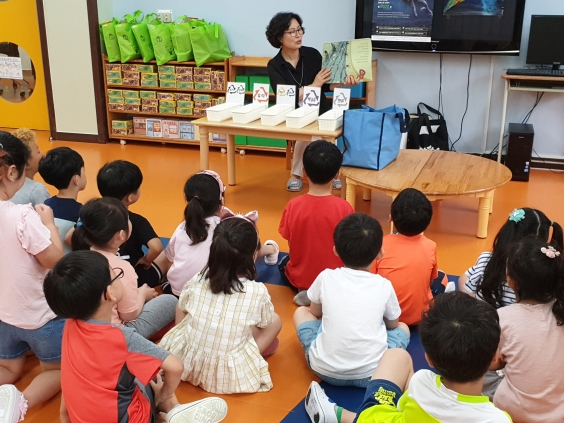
x: 466, y: 104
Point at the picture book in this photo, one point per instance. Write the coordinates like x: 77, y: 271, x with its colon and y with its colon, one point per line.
x: 345, y: 58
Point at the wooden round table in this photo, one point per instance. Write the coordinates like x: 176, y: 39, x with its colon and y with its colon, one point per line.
x: 438, y: 174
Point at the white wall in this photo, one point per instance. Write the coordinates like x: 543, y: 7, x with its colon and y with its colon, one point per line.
x: 68, y: 43
x: 404, y: 78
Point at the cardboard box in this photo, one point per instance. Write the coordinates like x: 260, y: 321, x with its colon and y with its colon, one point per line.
x: 116, y: 100
x: 131, y: 75
x: 183, y: 97
x: 167, y: 103
x: 167, y: 77
x: 184, y: 77
x: 167, y: 110
x: 202, y: 86
x: 214, y: 102
x: 184, y: 103
x: 184, y: 111
x: 149, y: 102
x: 122, y: 124
x: 116, y: 131
x: 149, y: 109
x: 136, y: 101
x: 168, y: 84
x: 113, y: 74
x: 131, y: 82
x: 131, y: 108
x: 148, y: 94
x: 154, y: 128
x: 201, y: 97
x: 116, y: 67
x: 202, y: 71
x: 115, y: 81
x: 130, y: 94
x: 202, y: 78
x: 116, y: 107
x: 218, y: 80
x: 166, y: 69
x: 184, y: 70
x: 128, y: 67
x: 199, y: 112
x: 115, y: 93
x: 150, y: 83
x: 149, y: 76
x: 185, y: 85
x: 219, y: 137
x: 165, y: 96
x: 202, y: 104
x: 139, y: 126
x: 144, y: 68
x: 186, y: 130
x: 170, y: 128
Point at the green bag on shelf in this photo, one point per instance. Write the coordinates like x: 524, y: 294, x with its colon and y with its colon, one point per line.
x: 209, y: 42
x: 143, y: 39
x: 128, y: 46
x: 108, y: 31
x: 181, y: 39
x: 162, y: 43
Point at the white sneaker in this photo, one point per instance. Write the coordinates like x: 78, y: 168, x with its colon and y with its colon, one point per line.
x: 13, y: 405
x: 450, y: 287
x: 319, y: 407
x: 272, y: 259
x: 208, y: 410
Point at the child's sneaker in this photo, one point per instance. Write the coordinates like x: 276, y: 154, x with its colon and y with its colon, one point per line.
x: 319, y: 407
x: 208, y: 410
x: 13, y: 405
x: 272, y: 259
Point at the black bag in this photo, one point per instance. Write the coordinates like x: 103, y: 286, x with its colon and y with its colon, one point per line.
x: 426, y: 133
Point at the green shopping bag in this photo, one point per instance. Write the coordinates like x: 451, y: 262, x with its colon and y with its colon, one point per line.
x: 126, y: 40
x: 181, y: 39
x: 209, y: 42
x: 108, y: 31
x: 162, y: 43
x: 143, y: 39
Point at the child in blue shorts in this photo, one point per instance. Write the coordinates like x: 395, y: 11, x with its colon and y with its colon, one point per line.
x: 460, y: 336
x: 353, y: 315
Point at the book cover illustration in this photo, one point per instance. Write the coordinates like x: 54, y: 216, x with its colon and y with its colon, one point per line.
x: 345, y: 58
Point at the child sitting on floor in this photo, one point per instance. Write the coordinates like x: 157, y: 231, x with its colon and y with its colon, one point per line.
x: 460, y: 336
x: 29, y: 245
x: 353, y: 314
x: 112, y: 374
x: 103, y: 227
x: 487, y: 278
x: 188, y: 250
x: 228, y: 320
x: 308, y: 221
x: 410, y: 259
x: 122, y: 180
x: 32, y: 192
x: 531, y: 342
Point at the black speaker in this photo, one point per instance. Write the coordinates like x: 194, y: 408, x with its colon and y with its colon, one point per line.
x: 519, y: 152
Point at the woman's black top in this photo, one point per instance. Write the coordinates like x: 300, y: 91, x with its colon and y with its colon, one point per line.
x: 310, y: 63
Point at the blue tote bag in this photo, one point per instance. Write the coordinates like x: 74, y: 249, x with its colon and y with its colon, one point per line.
x: 372, y: 137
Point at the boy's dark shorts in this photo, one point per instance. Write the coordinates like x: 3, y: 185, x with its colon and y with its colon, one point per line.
x: 380, y: 392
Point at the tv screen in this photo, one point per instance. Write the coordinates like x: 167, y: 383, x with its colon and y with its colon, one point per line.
x: 443, y: 26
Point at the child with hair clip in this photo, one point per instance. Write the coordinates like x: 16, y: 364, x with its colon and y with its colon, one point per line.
x: 29, y: 246
x: 188, y: 250
x: 103, y: 227
x: 487, y: 278
x: 531, y: 340
x: 226, y: 322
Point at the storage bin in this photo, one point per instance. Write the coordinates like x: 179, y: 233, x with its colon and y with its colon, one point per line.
x: 275, y: 115
x: 245, y: 80
x: 331, y: 120
x: 259, y: 79
x: 248, y: 113
x: 266, y: 142
x: 220, y: 112
x: 301, y: 117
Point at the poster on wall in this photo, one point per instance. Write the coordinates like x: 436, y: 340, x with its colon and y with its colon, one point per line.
x: 11, y: 67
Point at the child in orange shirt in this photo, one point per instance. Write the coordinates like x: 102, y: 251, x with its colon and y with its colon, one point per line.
x: 410, y: 259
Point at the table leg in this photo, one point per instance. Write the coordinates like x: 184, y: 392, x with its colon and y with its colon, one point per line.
x: 289, y: 150
x: 367, y: 194
x: 231, y: 159
x: 350, y: 193
x: 484, y: 208
x: 491, y: 203
x: 204, y: 148
x: 343, y: 187
x: 504, y: 104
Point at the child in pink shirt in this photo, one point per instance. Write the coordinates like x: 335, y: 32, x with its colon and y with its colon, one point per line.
x: 29, y: 245
x: 531, y: 341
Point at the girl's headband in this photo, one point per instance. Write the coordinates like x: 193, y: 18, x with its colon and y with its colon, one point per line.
x: 550, y: 252
x: 252, y: 216
x: 517, y: 215
x: 216, y: 176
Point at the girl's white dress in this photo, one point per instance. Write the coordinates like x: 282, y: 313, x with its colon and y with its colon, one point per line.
x: 214, y: 341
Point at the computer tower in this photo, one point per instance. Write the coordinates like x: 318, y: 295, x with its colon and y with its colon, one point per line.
x: 519, y: 152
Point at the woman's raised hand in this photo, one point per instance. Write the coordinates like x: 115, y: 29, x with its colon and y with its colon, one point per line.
x: 322, y: 78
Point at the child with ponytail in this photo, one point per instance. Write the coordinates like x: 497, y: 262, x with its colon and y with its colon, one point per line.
x: 226, y: 322
x: 188, y: 250
x: 104, y: 226
x: 531, y: 340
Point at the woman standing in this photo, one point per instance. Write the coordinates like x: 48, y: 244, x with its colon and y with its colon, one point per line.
x: 300, y: 66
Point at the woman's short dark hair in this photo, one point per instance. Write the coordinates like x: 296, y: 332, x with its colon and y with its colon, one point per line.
x: 358, y: 238
x: 278, y: 25
x: 232, y: 253
x: 74, y: 287
x: 460, y: 335
x: 13, y: 152
x: 203, y: 195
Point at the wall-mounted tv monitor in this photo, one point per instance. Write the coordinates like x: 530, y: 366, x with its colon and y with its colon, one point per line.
x: 442, y: 26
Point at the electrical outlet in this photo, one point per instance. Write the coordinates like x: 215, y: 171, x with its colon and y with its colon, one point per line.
x: 165, y: 16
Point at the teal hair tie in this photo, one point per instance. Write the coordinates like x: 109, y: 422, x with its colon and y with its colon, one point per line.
x: 517, y: 215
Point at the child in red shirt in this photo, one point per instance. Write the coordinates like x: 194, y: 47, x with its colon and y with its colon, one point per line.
x: 410, y: 259
x: 308, y: 221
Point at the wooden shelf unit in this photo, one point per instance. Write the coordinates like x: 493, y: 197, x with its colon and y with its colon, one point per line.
x: 117, y: 114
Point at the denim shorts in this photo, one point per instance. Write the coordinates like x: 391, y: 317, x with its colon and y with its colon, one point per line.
x: 309, y: 331
x: 45, y: 341
x: 381, y: 393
